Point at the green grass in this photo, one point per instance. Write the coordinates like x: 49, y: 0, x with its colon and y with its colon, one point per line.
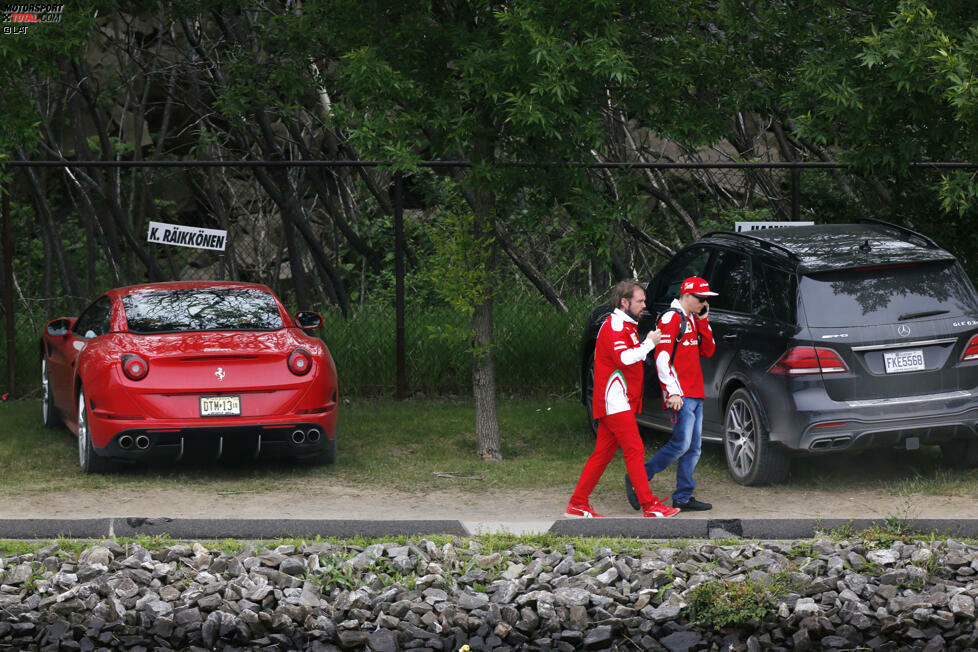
x: 429, y: 445
x: 381, y: 443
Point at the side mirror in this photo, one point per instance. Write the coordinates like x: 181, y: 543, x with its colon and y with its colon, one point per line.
x: 308, y: 320
x: 59, y: 327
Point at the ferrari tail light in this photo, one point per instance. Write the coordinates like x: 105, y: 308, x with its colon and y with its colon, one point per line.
x: 300, y: 362
x: 971, y: 351
x: 802, y: 360
x: 134, y: 366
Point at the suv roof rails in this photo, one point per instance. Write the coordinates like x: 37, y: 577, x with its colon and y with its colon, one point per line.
x: 902, y: 229
x: 764, y: 243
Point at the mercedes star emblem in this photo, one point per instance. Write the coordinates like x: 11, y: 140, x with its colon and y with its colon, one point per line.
x: 903, y: 330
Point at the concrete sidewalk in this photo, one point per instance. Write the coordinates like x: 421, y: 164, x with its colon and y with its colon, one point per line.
x: 674, y: 528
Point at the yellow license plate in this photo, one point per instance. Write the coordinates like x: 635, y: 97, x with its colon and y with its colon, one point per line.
x: 220, y: 406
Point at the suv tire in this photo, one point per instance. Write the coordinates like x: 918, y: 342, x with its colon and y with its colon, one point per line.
x: 960, y: 453
x: 751, y: 458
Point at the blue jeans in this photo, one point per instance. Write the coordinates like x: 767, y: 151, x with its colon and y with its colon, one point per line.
x: 684, y: 445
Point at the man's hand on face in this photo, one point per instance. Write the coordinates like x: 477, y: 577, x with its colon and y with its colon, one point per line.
x: 705, y: 313
x: 674, y: 402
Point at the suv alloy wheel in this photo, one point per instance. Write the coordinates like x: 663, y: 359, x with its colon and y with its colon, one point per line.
x: 751, y: 458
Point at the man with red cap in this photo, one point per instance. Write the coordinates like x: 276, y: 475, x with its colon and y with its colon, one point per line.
x: 686, y: 336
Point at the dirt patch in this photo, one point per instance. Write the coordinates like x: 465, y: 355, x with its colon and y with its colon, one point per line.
x: 336, y: 501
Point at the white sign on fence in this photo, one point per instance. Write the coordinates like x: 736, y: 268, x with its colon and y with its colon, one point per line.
x: 757, y: 226
x: 187, y: 236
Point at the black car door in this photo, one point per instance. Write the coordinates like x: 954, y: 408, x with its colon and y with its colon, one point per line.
x: 730, y: 320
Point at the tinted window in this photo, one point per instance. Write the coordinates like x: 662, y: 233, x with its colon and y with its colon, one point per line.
x: 886, y: 295
x: 774, y: 293
x: 731, y: 281
x: 94, y: 320
x: 691, y: 262
x: 214, y: 309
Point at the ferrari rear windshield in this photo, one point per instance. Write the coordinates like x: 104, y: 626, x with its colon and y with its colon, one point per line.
x: 201, y: 309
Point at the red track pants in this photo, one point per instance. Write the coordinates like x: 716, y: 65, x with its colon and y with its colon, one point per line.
x: 614, y: 431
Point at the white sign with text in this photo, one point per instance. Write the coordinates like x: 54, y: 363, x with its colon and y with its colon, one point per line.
x: 757, y: 226
x: 187, y: 236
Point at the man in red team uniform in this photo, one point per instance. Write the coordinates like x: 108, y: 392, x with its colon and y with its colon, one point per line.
x: 681, y: 379
x: 618, y: 379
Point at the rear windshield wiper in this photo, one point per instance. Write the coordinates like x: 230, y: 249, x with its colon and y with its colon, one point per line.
x: 917, y: 315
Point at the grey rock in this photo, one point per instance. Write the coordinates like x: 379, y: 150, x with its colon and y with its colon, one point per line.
x: 472, y: 601
x: 568, y: 596
x: 608, y: 576
x: 96, y: 555
x: 962, y: 604
x: 681, y: 641
x: 662, y: 613
x: 599, y: 637
x: 514, y: 571
x: 292, y: 566
x: 886, y: 557
x: 806, y: 607
x: 383, y: 641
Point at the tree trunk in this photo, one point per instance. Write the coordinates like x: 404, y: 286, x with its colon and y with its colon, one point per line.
x: 484, y: 384
x: 483, y: 204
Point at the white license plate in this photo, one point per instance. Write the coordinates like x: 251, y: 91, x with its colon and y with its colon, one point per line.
x: 898, y: 362
x: 220, y: 406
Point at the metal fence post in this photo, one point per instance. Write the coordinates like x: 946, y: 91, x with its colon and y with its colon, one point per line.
x: 8, y: 287
x: 401, y: 391
x: 795, y: 194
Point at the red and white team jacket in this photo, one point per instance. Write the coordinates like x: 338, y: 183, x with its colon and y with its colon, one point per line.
x: 684, y: 377
x: 618, y: 369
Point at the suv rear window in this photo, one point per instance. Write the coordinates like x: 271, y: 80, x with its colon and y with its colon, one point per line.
x: 887, y: 294
x: 206, y: 309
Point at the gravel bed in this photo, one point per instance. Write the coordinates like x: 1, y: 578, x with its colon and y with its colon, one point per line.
x: 821, y: 594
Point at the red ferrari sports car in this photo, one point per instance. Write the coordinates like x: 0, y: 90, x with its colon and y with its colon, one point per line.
x: 158, y: 370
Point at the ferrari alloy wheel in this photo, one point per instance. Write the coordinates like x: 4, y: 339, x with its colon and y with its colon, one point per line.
x: 51, y: 417
x: 88, y: 459
x: 751, y: 458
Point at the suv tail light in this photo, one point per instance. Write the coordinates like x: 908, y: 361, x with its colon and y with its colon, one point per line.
x: 802, y: 360
x: 134, y: 366
x: 300, y: 362
x: 971, y: 351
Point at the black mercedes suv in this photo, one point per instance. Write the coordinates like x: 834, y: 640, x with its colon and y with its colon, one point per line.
x: 834, y: 338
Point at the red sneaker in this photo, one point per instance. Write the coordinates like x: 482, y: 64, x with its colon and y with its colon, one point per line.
x: 658, y: 510
x: 586, y: 511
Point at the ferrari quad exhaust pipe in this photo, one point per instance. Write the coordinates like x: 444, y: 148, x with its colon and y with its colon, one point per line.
x: 298, y: 437
x: 142, y: 442
x: 125, y: 441
x: 313, y: 435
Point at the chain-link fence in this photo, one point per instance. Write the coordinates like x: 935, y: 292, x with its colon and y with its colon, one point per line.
x: 333, y: 247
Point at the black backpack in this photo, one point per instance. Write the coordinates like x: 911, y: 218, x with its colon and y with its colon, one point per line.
x: 682, y: 329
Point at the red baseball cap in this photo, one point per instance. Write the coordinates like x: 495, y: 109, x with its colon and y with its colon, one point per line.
x: 697, y: 285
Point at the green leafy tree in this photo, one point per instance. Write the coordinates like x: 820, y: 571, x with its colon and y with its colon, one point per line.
x: 487, y: 82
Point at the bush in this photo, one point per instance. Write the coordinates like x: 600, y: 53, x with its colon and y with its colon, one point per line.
x: 718, y: 604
